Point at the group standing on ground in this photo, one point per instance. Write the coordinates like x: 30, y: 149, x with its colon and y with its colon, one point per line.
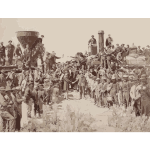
x: 40, y: 83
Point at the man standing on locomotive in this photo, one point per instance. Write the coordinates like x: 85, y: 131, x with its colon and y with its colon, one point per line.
x: 17, y: 53
x: 10, y: 51
x: 2, y: 54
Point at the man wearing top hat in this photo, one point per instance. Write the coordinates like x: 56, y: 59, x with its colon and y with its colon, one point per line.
x: 10, y: 51
x: 2, y: 54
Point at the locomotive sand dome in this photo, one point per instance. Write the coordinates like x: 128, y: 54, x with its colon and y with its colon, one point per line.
x: 133, y: 58
x: 27, y: 37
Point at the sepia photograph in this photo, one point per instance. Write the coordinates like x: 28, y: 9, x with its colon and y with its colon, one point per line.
x: 74, y: 79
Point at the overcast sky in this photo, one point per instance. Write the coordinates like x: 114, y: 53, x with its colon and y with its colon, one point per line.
x: 68, y: 36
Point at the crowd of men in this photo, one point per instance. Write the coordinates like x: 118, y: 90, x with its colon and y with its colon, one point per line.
x: 103, y: 77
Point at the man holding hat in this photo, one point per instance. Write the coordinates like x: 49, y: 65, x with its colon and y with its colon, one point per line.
x: 5, y: 114
x: 10, y: 51
x: 2, y: 54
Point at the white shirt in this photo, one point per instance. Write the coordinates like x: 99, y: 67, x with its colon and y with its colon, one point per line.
x: 23, y: 85
x: 39, y: 62
x: 134, y: 92
x: 61, y: 76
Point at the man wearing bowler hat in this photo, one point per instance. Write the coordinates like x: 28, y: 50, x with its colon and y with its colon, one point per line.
x: 10, y: 51
x: 2, y: 54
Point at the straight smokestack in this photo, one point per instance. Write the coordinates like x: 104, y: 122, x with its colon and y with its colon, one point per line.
x: 101, y: 40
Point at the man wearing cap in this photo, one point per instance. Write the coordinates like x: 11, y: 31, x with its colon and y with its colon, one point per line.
x: 5, y: 114
x: 17, y: 53
x: 109, y: 40
x: 135, y: 96
x: 10, y: 51
x: 2, y: 54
